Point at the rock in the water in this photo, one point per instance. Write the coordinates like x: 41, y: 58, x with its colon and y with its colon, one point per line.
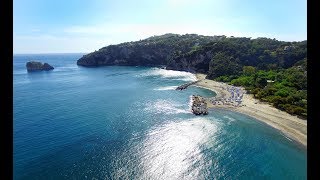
x: 38, y: 66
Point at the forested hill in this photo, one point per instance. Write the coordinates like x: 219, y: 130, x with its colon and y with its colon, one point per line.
x: 148, y: 52
x: 192, y: 52
x: 274, y: 71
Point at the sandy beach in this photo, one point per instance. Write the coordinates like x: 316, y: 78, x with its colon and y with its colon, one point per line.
x: 292, y: 126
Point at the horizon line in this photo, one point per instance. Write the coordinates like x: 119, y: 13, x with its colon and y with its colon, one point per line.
x: 51, y: 53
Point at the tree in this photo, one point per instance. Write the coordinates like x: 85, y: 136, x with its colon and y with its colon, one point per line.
x: 248, y: 70
x: 255, y: 91
x: 243, y: 81
x: 221, y: 64
x: 261, y: 82
x: 282, y: 92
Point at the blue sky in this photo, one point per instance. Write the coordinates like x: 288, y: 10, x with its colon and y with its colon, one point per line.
x: 62, y: 26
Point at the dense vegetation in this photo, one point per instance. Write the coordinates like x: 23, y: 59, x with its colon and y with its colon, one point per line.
x: 286, y: 89
x: 262, y: 53
x: 152, y: 51
x: 273, y: 71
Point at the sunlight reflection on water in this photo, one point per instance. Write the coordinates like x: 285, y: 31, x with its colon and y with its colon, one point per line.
x: 174, y: 151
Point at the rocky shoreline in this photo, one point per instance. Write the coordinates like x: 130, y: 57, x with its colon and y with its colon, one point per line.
x: 185, y: 86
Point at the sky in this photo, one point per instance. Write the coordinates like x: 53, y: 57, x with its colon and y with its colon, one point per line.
x: 83, y: 26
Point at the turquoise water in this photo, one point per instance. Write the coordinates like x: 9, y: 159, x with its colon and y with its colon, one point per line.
x: 130, y: 123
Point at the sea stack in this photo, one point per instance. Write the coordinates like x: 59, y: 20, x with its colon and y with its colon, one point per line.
x: 38, y: 66
x: 199, y: 105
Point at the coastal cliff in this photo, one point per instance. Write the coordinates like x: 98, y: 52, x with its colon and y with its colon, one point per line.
x: 153, y: 51
x: 212, y: 55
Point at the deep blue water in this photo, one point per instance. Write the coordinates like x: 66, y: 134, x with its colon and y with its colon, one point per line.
x: 130, y: 123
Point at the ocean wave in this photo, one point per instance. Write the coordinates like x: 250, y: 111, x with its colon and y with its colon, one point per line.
x: 166, y: 107
x: 170, y: 74
x: 116, y: 74
x: 286, y: 137
x: 230, y: 119
x: 165, y: 88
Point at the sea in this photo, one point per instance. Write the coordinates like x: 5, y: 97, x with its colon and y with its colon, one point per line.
x: 129, y: 122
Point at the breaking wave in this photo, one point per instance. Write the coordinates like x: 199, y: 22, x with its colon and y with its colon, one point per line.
x: 167, y: 107
x: 170, y: 74
x: 165, y: 88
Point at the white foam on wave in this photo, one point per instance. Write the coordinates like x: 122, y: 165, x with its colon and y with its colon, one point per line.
x: 230, y: 119
x: 166, y: 88
x: 167, y: 107
x: 170, y: 74
x: 287, y: 137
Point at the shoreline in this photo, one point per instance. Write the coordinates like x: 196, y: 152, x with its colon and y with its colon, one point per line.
x: 291, y: 126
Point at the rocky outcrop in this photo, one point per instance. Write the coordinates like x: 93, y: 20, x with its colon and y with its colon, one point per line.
x: 197, y: 61
x: 38, y: 66
x: 186, y: 85
x: 199, y: 105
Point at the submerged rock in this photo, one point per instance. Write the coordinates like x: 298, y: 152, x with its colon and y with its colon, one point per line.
x: 38, y: 66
